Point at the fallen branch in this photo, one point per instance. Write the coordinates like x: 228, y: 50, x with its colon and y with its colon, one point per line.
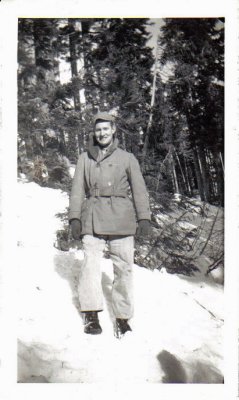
x: 205, y: 308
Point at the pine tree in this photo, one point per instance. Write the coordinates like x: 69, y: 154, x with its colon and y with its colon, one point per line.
x: 195, y: 96
x: 118, y: 75
x: 38, y: 82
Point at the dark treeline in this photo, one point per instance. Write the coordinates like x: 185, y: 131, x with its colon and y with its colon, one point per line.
x: 169, y: 109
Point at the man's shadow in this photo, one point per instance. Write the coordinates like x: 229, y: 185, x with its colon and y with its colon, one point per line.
x: 196, y: 371
x: 68, y: 266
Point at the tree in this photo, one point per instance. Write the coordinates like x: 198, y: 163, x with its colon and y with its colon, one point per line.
x: 118, y: 75
x: 111, y: 67
x: 194, y: 47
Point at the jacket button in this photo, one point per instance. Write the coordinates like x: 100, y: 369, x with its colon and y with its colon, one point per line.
x: 97, y: 164
x: 109, y: 183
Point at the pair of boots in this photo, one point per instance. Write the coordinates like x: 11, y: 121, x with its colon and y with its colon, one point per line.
x: 92, y: 325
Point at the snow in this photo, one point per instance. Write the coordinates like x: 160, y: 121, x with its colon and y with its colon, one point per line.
x: 177, y: 327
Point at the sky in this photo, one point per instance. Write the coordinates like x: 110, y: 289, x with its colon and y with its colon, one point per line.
x: 154, y: 30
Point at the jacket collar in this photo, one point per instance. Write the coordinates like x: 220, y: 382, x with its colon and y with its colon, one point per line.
x: 93, y: 148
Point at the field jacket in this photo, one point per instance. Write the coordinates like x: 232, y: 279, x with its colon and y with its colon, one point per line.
x: 108, y: 194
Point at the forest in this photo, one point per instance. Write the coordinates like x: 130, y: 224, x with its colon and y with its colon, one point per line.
x: 163, y: 80
x: 168, y: 103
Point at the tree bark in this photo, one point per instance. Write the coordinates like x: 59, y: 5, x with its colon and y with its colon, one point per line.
x: 146, y: 140
x: 73, y: 56
x: 123, y: 139
x: 198, y: 174
x: 176, y: 185
x: 219, y: 177
x: 181, y: 169
x: 204, y: 172
x: 187, y: 177
x: 220, y: 155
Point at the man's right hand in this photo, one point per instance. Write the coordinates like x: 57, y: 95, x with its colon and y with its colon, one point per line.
x: 76, y: 229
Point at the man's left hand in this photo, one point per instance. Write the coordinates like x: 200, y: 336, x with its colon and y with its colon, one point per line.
x: 144, y: 228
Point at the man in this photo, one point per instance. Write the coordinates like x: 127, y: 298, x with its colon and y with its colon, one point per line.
x: 100, y: 211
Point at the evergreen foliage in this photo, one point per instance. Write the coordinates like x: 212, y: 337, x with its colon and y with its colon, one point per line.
x: 188, y: 125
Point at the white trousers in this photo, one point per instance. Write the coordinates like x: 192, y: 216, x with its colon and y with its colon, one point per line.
x: 90, y: 291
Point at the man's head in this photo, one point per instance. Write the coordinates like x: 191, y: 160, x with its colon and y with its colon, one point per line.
x: 104, y: 128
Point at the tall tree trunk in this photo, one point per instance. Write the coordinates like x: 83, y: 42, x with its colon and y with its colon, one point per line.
x: 219, y: 177
x: 123, y: 139
x: 212, y: 175
x: 146, y: 140
x: 204, y: 172
x: 73, y: 38
x: 176, y: 185
x: 220, y: 155
x: 80, y: 141
x: 62, y: 140
x: 181, y: 170
x: 198, y: 174
x: 72, y: 146
x: 157, y: 183
x: 187, y: 177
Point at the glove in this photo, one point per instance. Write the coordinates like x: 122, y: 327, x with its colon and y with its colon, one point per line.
x: 76, y: 228
x: 143, y: 227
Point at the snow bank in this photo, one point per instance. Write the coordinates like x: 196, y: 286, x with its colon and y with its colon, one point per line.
x: 177, y: 326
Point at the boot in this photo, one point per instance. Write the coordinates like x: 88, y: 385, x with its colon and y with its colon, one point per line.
x: 92, y: 325
x: 122, y: 327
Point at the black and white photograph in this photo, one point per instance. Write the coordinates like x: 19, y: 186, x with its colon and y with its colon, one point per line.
x: 120, y: 196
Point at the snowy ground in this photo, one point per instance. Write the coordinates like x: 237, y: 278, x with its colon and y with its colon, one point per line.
x: 177, y: 328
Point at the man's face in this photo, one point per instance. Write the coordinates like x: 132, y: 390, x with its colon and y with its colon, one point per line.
x: 104, y: 132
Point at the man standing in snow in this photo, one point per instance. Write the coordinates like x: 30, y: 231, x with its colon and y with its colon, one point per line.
x: 100, y: 211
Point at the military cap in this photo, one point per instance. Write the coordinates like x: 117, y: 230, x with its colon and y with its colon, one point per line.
x: 104, y: 116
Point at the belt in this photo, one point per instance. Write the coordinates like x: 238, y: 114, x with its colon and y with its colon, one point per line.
x: 106, y: 192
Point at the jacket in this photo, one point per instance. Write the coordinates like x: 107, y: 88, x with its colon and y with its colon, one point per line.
x: 102, y: 190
